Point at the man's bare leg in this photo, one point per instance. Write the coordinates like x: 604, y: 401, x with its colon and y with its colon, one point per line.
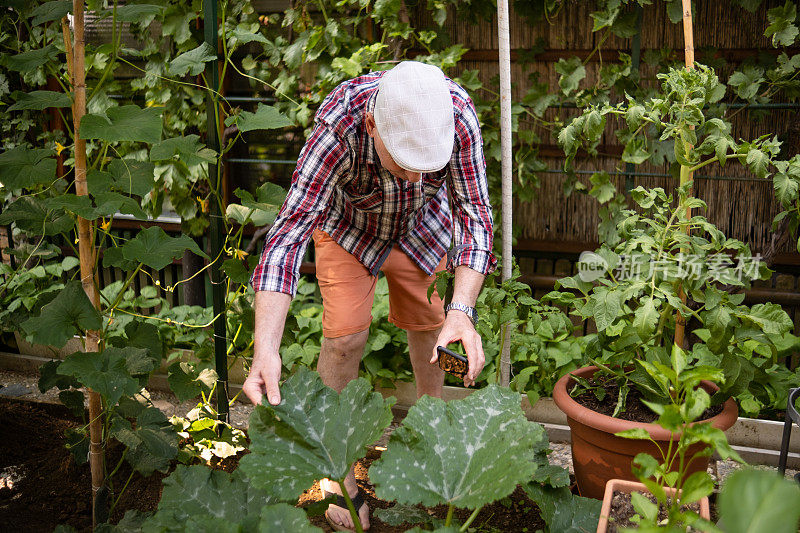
x: 429, y: 378
x: 338, y: 365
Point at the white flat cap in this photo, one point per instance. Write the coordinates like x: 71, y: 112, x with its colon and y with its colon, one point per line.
x: 414, y: 116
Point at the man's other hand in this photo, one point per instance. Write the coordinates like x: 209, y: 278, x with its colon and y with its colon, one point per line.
x: 263, y: 379
x: 458, y: 327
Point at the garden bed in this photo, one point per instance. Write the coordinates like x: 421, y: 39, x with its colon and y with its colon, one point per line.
x: 41, y: 486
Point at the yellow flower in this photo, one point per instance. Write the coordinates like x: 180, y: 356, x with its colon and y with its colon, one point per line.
x: 240, y: 254
x: 106, y: 224
x: 204, y: 204
x: 59, y: 148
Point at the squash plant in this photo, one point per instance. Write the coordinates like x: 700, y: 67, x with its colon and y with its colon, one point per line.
x: 465, y: 453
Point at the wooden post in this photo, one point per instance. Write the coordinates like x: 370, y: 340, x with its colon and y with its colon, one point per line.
x: 504, y: 49
x: 75, y: 61
x: 686, y: 174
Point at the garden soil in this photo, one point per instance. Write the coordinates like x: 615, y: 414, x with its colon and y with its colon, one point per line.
x: 41, y: 486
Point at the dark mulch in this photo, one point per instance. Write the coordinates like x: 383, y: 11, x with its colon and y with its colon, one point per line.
x: 635, y: 410
x: 622, y: 510
x: 41, y: 486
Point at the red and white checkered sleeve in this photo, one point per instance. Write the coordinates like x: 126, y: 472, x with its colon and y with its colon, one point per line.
x: 324, y: 159
x: 472, y: 216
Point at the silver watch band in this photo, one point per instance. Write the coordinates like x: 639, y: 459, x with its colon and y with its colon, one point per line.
x: 469, y: 311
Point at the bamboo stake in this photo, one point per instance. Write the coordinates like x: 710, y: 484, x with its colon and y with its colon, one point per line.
x: 686, y: 174
x: 76, y: 62
x: 504, y: 47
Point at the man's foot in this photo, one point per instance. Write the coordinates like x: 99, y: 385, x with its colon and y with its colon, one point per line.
x: 340, y: 515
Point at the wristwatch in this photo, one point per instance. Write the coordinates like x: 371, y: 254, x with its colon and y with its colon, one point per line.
x: 470, y: 311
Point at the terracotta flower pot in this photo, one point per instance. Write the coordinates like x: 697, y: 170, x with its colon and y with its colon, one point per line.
x: 598, y: 455
x: 623, y: 485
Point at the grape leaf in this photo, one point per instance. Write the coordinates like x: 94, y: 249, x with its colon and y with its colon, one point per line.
x: 60, y: 319
x: 467, y: 452
x: 38, y: 100
x: 124, y: 123
x: 313, y: 433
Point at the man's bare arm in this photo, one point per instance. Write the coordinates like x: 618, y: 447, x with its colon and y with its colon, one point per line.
x: 265, y: 372
x: 458, y: 326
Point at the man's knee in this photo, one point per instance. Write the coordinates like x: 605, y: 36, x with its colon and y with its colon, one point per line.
x: 347, y: 346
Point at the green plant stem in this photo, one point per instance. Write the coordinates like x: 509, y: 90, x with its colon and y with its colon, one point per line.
x: 470, y: 519
x: 125, y: 287
x: 449, y: 518
x: 351, y: 507
x: 125, y: 486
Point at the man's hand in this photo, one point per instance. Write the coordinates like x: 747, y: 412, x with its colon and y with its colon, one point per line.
x: 458, y: 327
x: 265, y: 372
x: 263, y: 379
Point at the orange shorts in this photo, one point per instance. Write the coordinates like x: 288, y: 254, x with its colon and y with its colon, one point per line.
x: 348, y: 289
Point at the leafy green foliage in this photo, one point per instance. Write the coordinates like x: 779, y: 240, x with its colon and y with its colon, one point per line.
x: 154, y: 248
x: 314, y: 432
x: 196, y: 498
x: 465, y: 453
x: 634, y: 304
x: 61, y: 319
x: 151, y: 442
x: 23, y: 168
x: 192, y: 62
x: 758, y: 500
x: 563, y: 511
x: 110, y: 372
x: 39, y: 100
x: 123, y: 123
x: 265, y: 118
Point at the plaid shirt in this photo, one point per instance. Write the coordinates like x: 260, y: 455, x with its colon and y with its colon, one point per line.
x: 340, y: 187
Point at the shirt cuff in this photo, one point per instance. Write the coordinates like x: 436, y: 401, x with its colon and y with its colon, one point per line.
x: 274, y: 279
x: 482, y: 261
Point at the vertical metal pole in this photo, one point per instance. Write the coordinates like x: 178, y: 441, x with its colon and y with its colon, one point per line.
x: 504, y: 48
x: 217, y: 230
x: 636, y: 58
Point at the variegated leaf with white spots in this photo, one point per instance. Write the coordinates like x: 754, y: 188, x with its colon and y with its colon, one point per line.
x: 467, y: 453
x: 313, y: 433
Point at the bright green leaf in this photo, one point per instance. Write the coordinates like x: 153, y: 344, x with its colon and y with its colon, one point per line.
x: 60, y: 319
x: 466, y: 452
x: 313, y: 433
x: 39, y: 100
x: 124, y: 123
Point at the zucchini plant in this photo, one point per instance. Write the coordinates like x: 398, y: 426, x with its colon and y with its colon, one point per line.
x: 465, y: 453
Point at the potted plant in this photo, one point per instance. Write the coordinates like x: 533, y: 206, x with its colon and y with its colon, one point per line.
x: 666, y: 491
x: 661, y: 267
